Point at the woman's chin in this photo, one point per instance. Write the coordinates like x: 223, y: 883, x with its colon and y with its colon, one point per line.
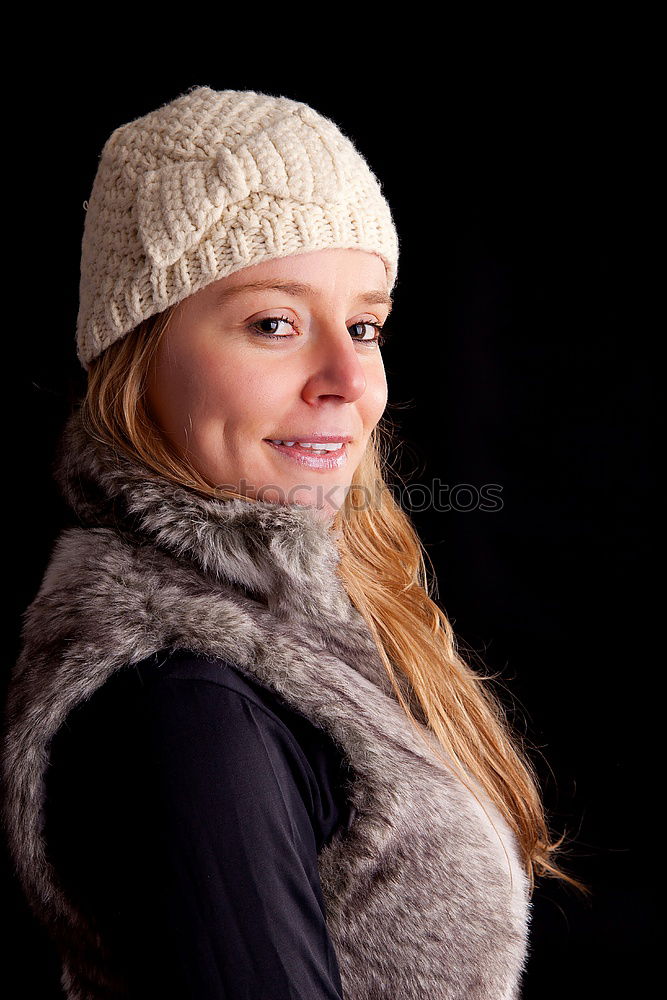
x: 325, y: 503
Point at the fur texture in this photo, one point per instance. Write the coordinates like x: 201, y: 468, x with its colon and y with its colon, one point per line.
x: 425, y: 896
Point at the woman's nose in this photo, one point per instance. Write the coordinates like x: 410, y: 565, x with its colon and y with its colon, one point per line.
x: 335, y: 367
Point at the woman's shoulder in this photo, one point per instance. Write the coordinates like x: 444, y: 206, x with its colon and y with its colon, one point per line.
x: 184, y: 668
x: 147, y: 710
x: 198, y: 668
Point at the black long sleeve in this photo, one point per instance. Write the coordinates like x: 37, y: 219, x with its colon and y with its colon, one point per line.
x: 185, y: 808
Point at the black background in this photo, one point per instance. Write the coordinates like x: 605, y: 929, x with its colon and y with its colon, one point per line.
x: 519, y: 356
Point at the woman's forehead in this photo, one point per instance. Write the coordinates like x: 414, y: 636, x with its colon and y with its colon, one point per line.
x: 308, y: 274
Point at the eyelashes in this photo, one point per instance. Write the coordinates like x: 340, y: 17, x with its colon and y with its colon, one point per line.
x: 377, y: 341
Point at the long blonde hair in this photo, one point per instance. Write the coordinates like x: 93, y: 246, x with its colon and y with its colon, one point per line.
x: 384, y: 572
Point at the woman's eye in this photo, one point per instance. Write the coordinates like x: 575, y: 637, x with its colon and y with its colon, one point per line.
x: 376, y: 338
x: 272, y: 319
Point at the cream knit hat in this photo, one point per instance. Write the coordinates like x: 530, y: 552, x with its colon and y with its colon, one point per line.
x: 207, y: 184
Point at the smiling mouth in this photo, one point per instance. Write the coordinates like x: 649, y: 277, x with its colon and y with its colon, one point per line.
x: 331, y: 457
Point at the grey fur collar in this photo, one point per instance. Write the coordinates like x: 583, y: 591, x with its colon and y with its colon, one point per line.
x: 424, y: 899
x: 279, y: 554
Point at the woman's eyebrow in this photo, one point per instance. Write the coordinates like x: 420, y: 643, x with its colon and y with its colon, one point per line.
x: 376, y: 297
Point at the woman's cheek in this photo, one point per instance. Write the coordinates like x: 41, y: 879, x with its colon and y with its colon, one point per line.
x: 377, y: 396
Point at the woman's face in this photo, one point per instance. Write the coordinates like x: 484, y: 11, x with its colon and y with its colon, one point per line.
x: 240, y: 368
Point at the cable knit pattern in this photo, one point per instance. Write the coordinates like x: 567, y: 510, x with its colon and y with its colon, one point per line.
x: 207, y: 184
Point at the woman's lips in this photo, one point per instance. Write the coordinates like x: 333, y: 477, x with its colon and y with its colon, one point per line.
x: 312, y: 460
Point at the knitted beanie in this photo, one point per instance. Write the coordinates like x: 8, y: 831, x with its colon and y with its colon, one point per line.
x: 207, y: 184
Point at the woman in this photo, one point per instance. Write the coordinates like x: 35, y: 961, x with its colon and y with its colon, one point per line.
x: 243, y: 756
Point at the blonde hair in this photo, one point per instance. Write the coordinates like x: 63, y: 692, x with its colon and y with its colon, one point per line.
x: 384, y: 572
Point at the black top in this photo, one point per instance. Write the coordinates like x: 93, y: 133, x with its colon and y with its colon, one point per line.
x: 185, y: 808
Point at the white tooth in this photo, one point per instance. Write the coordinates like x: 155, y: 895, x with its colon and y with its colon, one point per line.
x: 323, y: 446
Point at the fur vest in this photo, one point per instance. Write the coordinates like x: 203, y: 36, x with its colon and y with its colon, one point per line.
x: 424, y: 891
